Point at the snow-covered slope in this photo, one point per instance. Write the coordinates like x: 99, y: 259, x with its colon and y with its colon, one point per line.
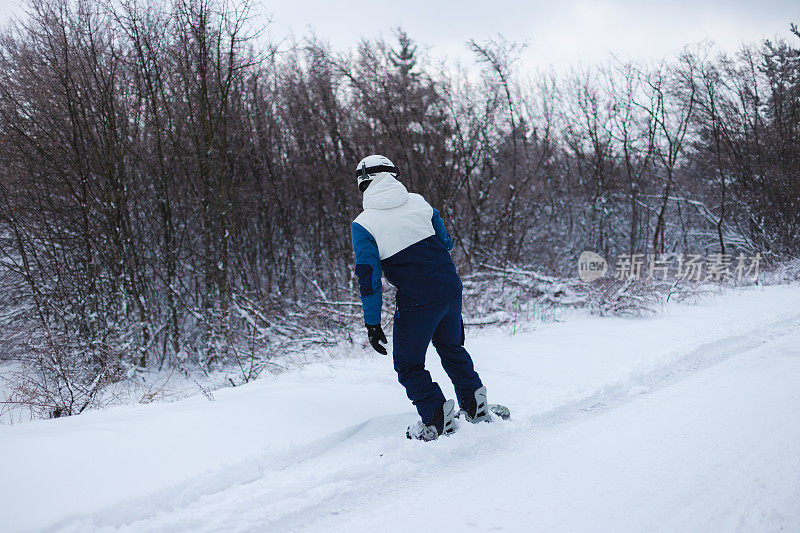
x: 687, y: 421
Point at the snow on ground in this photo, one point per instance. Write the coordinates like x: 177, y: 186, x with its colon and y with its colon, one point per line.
x: 687, y: 421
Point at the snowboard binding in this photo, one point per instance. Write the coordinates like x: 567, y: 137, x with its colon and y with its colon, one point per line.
x: 443, y: 423
x: 482, y: 410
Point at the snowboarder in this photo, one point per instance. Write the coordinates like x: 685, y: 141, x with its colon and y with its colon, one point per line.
x: 400, y: 235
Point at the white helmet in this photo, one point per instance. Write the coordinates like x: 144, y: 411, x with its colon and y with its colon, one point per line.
x: 371, y: 165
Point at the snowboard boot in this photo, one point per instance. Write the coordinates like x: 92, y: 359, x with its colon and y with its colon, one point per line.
x: 442, y: 423
x: 477, y: 410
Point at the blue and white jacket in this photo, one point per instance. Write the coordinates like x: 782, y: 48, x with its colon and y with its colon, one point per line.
x: 400, y: 235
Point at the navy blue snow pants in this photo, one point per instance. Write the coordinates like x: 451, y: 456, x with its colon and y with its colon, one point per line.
x: 414, y: 328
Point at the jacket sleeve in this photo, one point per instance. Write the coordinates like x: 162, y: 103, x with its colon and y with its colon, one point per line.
x: 441, y: 233
x: 368, y: 271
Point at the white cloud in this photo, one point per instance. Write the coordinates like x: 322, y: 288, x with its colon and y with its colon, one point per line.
x: 558, y: 32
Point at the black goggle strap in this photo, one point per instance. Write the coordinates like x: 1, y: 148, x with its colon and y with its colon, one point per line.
x: 363, y: 178
x: 364, y: 172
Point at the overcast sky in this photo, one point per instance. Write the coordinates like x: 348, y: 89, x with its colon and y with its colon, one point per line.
x: 558, y: 32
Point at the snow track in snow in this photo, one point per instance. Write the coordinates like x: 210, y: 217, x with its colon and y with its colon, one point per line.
x: 331, y: 480
x: 698, y: 359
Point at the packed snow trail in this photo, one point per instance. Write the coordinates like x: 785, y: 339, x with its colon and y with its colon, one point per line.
x: 687, y: 421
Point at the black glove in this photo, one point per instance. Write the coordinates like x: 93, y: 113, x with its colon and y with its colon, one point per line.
x: 375, y: 334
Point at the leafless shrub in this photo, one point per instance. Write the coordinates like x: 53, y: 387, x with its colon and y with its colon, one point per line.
x: 176, y: 191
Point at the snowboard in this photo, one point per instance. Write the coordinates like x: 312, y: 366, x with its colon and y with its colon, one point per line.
x: 500, y: 411
x: 418, y: 431
x: 503, y: 412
